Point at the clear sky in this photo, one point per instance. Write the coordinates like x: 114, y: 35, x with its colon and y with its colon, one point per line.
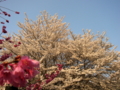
x: 97, y: 15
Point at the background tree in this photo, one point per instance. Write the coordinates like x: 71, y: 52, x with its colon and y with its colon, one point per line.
x: 89, y: 62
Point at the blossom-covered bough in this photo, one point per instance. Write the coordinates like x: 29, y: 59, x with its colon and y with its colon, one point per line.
x: 16, y: 70
x: 88, y: 60
x: 17, y: 73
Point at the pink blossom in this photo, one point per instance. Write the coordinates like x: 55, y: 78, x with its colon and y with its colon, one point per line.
x: 5, y: 75
x: 19, y: 42
x: 49, y: 80
x: 19, y: 79
x: 15, y: 45
x: 53, y: 75
x: 4, y: 27
x: 13, y: 66
x: 1, y: 41
x: 47, y: 76
x: 17, y: 74
x: 30, y: 66
x: 60, y: 66
x: 4, y: 57
x: 11, y: 41
x: 50, y: 77
x: 4, y: 31
x: 1, y: 79
x: 57, y: 72
x: 5, y: 13
x: 8, y: 38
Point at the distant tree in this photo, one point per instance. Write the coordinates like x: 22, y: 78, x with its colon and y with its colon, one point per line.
x: 89, y: 61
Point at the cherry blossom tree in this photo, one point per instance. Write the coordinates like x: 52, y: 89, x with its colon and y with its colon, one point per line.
x: 17, y: 71
x: 89, y: 61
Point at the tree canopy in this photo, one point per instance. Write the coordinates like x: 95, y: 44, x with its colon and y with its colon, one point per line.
x: 89, y: 61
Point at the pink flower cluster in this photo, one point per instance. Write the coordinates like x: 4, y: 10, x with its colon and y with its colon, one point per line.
x: 18, y: 73
x: 38, y: 85
x: 5, y: 56
x: 54, y: 74
x: 8, y: 40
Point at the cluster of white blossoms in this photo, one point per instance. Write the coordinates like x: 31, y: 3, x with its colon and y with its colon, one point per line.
x: 89, y: 63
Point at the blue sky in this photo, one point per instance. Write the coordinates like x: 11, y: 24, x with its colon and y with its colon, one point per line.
x: 97, y: 15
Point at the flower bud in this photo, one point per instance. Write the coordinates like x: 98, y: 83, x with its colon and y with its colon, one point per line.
x: 17, y: 12
x: 4, y: 31
x: 5, y: 13
x: 7, y: 21
x: 2, y: 23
